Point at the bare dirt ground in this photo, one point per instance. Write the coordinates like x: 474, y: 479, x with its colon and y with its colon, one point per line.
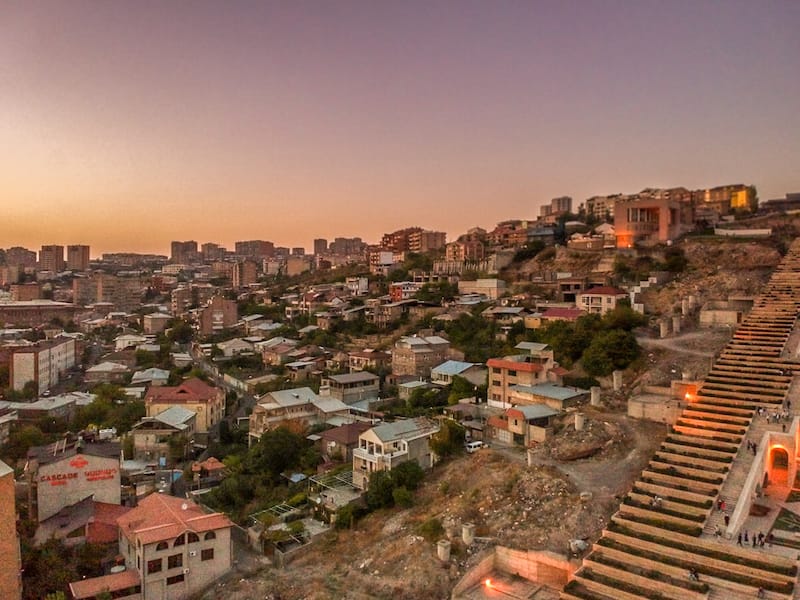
x: 537, y: 507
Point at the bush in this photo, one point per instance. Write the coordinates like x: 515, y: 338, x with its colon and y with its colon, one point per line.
x: 402, y: 497
x: 432, y: 529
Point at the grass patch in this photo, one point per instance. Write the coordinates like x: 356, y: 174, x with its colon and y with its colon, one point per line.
x: 787, y: 521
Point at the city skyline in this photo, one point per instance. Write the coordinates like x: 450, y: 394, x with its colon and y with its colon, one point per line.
x: 127, y: 126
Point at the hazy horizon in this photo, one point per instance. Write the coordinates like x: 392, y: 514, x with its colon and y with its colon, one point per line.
x: 128, y: 125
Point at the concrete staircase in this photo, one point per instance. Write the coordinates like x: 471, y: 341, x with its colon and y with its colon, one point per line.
x: 666, y: 524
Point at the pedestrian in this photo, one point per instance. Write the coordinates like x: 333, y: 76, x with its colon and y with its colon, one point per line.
x: 789, y: 404
x: 727, y: 519
x: 783, y: 427
x: 722, y: 505
x: 745, y: 536
x: 755, y: 541
x: 719, y: 504
x: 760, y: 593
x: 739, y: 539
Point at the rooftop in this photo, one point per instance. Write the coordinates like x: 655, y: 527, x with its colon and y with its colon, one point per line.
x: 160, y: 517
x: 453, y: 367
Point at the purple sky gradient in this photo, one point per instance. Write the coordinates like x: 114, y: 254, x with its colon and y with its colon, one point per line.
x: 128, y: 124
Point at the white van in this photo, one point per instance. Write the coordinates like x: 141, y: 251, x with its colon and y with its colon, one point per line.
x: 473, y: 446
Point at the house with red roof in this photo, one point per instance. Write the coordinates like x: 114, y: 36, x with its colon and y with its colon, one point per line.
x: 206, y: 401
x: 600, y: 300
x: 171, y: 549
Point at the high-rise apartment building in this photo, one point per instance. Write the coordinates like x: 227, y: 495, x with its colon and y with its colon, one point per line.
x: 347, y: 246
x: 255, y: 248
x: 425, y: 241
x: 297, y: 251
x: 20, y: 257
x: 78, y: 258
x: 183, y: 253
x: 320, y: 246
x: 51, y: 258
x: 244, y: 273
x: 211, y: 252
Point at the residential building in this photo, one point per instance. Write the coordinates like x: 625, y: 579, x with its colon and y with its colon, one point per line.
x: 426, y: 241
x: 298, y: 407
x: 368, y: 360
x: 320, y: 246
x: 20, y: 257
x: 417, y: 355
x: 10, y: 562
x: 67, y: 471
x: 298, y: 264
x: 155, y: 323
x: 21, y: 292
x: 556, y: 397
x: 244, y: 273
x: 652, y: 217
x: 443, y: 374
x: 385, y: 446
x: 351, y: 387
x: 151, y: 376
x: 183, y: 253
x: 86, y: 521
x: 255, y: 249
x: 491, y: 288
x: 403, y: 290
x: 33, y: 313
x: 347, y: 246
x: 107, y: 372
x: 337, y: 444
x: 43, y: 363
x: 530, y: 367
x: 172, y: 549
x: 211, y: 252
x: 155, y: 438
x: 399, y: 241
x: 194, y: 394
x: 218, y: 315
x: 51, y: 258
x: 603, y: 207
x: 522, y: 425
x: 600, y: 300
x: 465, y: 250
x: 78, y: 258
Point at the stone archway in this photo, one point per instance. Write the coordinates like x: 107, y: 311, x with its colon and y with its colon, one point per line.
x: 779, y: 465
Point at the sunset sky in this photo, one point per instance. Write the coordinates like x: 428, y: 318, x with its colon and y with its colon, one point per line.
x: 125, y: 125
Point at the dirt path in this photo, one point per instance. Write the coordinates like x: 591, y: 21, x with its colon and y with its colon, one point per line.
x: 680, y: 343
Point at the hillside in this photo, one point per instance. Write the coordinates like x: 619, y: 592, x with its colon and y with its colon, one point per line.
x: 387, y: 555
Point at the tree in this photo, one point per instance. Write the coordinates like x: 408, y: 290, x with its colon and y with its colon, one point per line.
x: 610, y: 350
x: 181, y: 333
x: 380, y: 490
x: 449, y: 440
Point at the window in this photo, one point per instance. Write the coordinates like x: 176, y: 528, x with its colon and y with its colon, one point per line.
x: 210, y: 536
x: 153, y: 566
x: 496, y: 382
x: 175, y: 579
x: 193, y: 537
x: 162, y: 546
x: 207, y: 554
x: 512, y: 373
x: 175, y: 561
x: 180, y: 540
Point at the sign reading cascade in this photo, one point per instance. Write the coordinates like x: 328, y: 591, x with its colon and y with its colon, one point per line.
x: 78, y: 463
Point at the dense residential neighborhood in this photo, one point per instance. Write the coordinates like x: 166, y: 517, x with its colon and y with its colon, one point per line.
x: 165, y: 420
